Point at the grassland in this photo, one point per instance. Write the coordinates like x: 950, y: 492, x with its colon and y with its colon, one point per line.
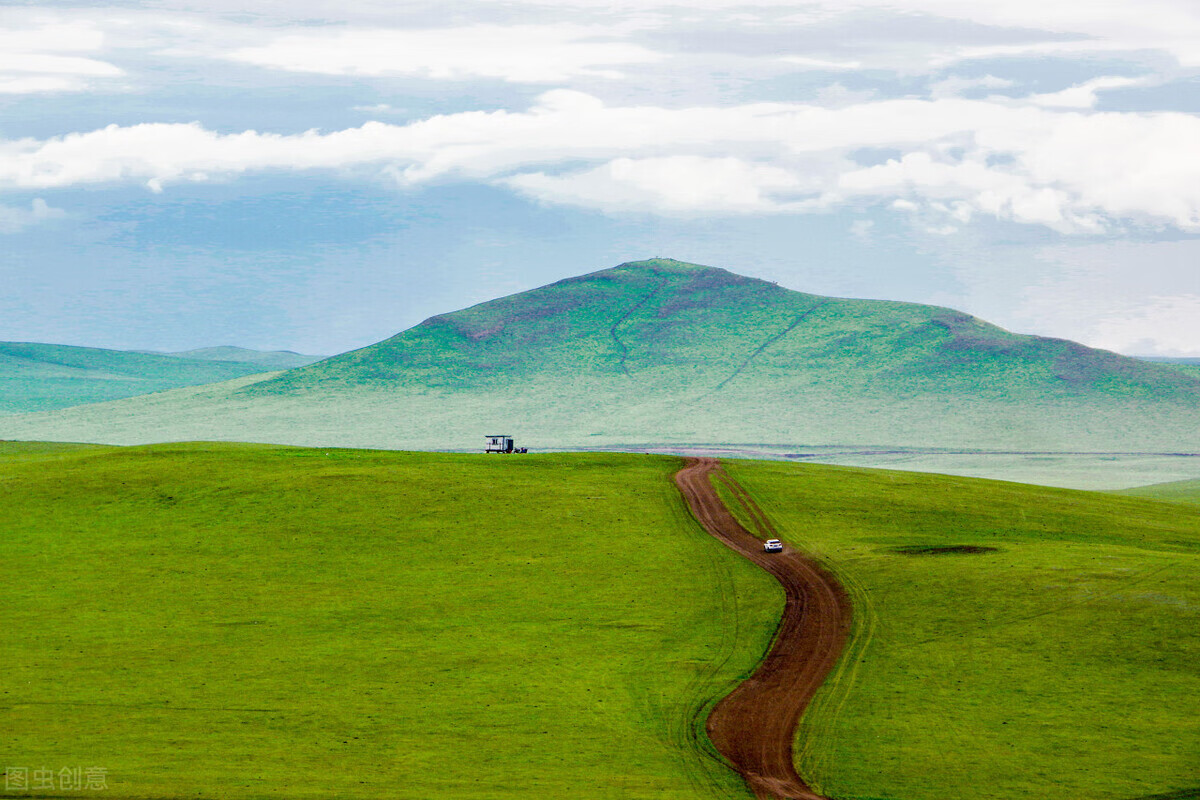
x: 1063, y: 663
x: 244, y: 621
x: 248, y: 621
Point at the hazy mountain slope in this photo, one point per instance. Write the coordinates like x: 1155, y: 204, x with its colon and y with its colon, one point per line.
x: 661, y: 351
x: 265, y: 360
x: 1190, y: 366
x: 42, y: 377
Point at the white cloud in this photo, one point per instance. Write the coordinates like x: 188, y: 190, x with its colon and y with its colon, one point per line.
x: 674, y: 184
x: 47, y: 58
x: 14, y: 219
x: 1071, y: 171
x: 820, y: 63
x: 1084, y: 95
x: 515, y: 53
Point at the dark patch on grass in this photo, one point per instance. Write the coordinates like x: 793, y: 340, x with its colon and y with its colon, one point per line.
x: 943, y: 549
x: 1179, y: 794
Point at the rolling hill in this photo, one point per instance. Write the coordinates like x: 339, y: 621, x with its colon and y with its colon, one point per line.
x: 45, y: 377
x: 662, y: 351
x: 1173, y: 491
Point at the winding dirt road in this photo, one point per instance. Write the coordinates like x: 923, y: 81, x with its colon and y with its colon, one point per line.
x: 754, y: 726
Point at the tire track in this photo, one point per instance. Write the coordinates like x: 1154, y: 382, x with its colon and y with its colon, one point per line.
x: 754, y: 726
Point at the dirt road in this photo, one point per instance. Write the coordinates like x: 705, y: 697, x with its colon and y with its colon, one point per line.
x: 754, y: 726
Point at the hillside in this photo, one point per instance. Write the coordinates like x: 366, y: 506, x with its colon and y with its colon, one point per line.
x: 45, y: 377
x: 661, y: 351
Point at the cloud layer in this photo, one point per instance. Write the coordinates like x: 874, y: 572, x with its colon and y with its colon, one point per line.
x: 50, y: 57
x: 514, y: 53
x: 1069, y: 170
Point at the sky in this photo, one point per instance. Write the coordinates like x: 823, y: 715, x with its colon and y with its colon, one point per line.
x: 316, y: 175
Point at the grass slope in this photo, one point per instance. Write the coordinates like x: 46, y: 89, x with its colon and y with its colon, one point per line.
x: 1176, y: 491
x: 244, y: 621
x: 663, y: 351
x: 45, y: 377
x: 1064, y: 664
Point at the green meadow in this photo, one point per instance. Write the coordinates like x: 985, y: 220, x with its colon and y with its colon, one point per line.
x: 246, y: 621
x: 250, y: 621
x: 1057, y: 658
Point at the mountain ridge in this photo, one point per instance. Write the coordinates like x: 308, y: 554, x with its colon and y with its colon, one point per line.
x: 662, y: 351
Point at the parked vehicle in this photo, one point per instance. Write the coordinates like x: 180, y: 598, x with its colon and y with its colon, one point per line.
x: 502, y: 443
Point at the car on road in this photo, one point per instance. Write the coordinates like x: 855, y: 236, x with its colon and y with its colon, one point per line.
x: 773, y: 546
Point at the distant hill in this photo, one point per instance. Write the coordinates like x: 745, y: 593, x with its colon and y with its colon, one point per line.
x: 266, y: 360
x: 662, y: 351
x: 1176, y: 491
x: 46, y: 377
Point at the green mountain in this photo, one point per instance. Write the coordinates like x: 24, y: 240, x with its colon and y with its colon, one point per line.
x: 661, y: 351
x: 45, y: 377
x: 265, y: 360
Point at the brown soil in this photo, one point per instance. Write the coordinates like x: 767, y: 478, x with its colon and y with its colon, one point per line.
x: 755, y: 725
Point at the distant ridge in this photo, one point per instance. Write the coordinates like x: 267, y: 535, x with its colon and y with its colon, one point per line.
x: 45, y: 377
x: 1191, y: 366
x: 267, y: 360
x: 663, y: 351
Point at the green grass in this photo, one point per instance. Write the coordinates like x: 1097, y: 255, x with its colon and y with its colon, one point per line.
x: 666, y: 352
x: 46, y: 377
x: 1064, y: 665
x: 247, y: 621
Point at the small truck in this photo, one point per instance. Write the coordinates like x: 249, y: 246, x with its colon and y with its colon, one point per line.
x: 773, y: 546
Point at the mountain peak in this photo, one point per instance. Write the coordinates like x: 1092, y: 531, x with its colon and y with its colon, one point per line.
x: 659, y: 264
x: 662, y: 272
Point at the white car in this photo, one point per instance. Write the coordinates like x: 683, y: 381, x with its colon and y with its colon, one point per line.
x: 773, y: 546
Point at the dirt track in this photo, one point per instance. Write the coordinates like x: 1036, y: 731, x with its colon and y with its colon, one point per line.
x: 754, y: 726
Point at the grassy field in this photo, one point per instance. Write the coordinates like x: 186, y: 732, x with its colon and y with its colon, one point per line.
x: 1063, y: 663
x: 248, y: 621
x: 245, y: 621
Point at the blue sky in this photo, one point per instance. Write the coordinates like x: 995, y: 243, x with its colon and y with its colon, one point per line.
x: 319, y: 175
